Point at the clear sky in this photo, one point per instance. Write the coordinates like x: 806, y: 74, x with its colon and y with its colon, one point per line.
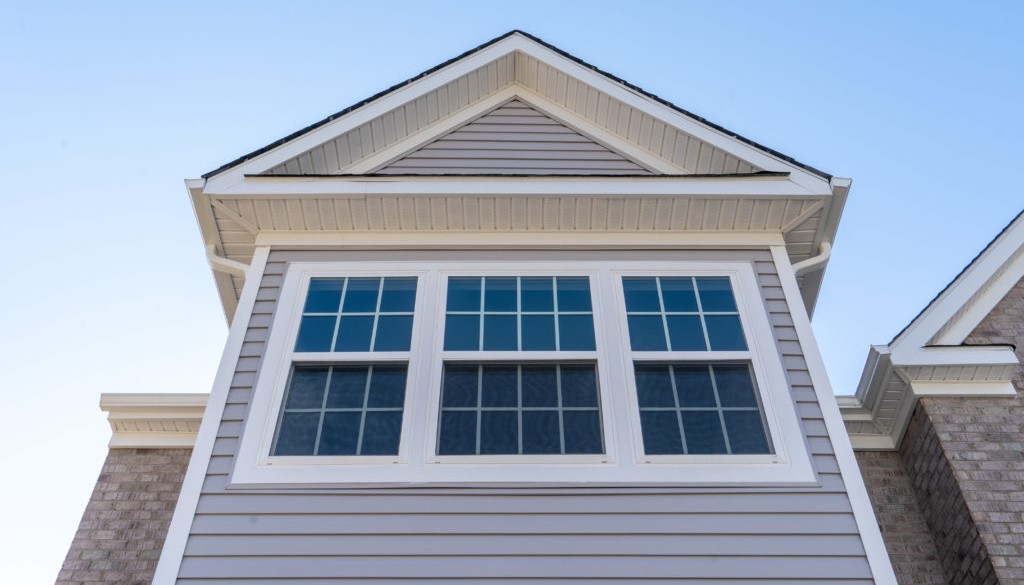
x: 105, y: 108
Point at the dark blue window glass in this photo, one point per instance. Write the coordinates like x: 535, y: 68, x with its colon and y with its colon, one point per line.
x: 641, y: 294
x: 462, y: 333
x: 394, y: 333
x: 297, y: 435
x: 340, y: 434
x: 464, y: 293
x: 678, y: 295
x: 398, y: 295
x: 315, y: 334
x: 355, y: 318
x: 705, y: 394
x: 458, y: 433
x: 703, y: 430
x: 538, y: 332
x: 500, y: 294
x: 361, y: 295
x: 361, y: 414
x: 500, y: 333
x: 537, y: 294
x: 354, y: 333
x: 716, y: 294
x: 686, y: 333
x: 725, y: 333
x: 540, y: 432
x: 573, y: 293
x: 646, y: 333
x: 307, y: 388
x: 522, y: 409
x: 661, y: 432
x: 324, y: 295
x: 348, y: 387
x: 576, y: 332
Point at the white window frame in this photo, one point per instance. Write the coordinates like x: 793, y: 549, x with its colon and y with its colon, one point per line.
x: 623, y: 462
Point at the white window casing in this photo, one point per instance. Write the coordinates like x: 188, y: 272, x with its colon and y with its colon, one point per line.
x: 623, y: 462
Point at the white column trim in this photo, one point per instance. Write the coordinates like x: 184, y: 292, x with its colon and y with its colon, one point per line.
x: 863, y: 513
x: 177, y: 534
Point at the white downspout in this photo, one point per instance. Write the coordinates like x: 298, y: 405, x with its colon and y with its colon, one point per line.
x: 814, y: 262
x: 222, y: 264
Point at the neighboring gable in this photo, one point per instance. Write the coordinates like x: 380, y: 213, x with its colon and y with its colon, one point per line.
x: 514, y: 139
x: 936, y: 355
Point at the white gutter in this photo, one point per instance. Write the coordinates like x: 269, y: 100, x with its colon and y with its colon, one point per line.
x: 222, y: 264
x: 815, y: 262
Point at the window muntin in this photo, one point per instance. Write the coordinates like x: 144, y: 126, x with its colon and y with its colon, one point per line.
x: 699, y: 409
x: 698, y: 406
x: 348, y: 409
x: 357, y: 315
x: 517, y: 313
x: 519, y: 409
x: 492, y: 402
x: 682, y: 314
x: 624, y: 459
x: 342, y: 410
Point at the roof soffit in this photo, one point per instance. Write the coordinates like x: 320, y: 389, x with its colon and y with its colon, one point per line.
x: 620, y: 116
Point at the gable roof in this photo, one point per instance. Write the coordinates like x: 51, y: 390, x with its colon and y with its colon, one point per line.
x: 930, y: 356
x: 664, y: 169
x: 374, y: 98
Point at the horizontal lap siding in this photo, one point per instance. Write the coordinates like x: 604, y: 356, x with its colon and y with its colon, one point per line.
x: 513, y: 139
x: 572, y: 535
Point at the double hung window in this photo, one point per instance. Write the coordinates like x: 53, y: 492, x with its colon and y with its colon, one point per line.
x: 521, y: 372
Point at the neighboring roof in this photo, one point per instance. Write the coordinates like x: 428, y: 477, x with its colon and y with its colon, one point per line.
x: 930, y: 355
x: 477, y: 49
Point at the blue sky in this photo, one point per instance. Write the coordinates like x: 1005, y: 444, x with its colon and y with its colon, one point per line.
x: 107, y: 107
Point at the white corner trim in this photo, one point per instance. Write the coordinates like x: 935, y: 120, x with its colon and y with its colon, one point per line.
x: 971, y: 296
x: 867, y: 525
x: 153, y: 420
x: 177, y: 534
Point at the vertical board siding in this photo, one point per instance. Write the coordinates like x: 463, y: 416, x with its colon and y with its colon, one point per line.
x: 513, y: 139
x: 734, y: 535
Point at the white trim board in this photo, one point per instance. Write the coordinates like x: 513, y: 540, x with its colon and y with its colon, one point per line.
x: 188, y: 498
x: 148, y: 421
x: 864, y: 514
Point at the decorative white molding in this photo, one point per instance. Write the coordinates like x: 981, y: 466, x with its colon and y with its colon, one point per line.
x: 153, y: 420
x: 896, y: 375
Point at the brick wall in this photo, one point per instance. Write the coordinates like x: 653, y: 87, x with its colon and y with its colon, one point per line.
x: 126, y: 520
x: 907, y: 539
x: 962, y: 554
x: 983, y: 442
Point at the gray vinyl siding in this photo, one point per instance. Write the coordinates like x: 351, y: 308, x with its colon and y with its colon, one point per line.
x: 514, y: 139
x: 575, y: 535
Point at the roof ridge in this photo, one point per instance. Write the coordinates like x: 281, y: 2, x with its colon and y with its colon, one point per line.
x: 547, y: 45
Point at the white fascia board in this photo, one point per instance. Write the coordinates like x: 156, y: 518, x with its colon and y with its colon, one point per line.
x: 670, y: 116
x: 963, y: 305
x: 153, y: 420
x: 965, y: 355
x: 753, y: 186
x: 563, y: 240
x: 975, y: 389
